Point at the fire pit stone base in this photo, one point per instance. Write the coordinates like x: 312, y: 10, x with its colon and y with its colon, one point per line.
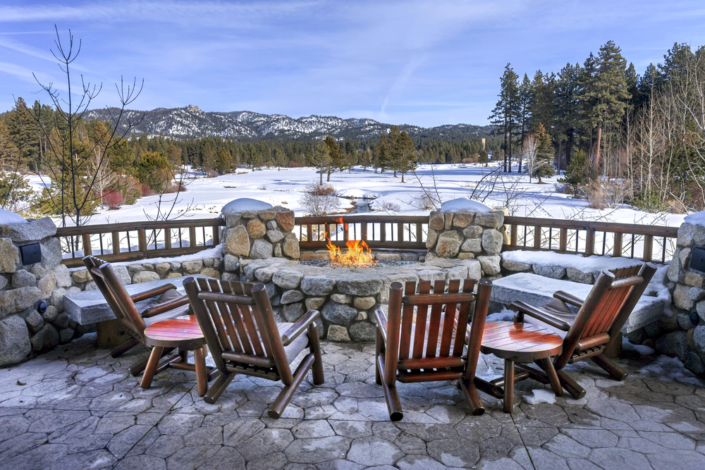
x: 345, y: 297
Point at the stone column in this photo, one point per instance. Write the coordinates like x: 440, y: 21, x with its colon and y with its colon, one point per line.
x: 22, y: 328
x: 685, y: 331
x: 467, y: 235
x: 258, y: 235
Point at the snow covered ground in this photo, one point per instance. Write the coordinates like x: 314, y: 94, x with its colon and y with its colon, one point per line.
x: 206, y: 196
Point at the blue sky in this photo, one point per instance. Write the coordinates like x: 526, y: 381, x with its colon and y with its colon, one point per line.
x: 416, y: 62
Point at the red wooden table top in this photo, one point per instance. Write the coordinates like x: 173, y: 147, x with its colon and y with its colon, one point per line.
x: 174, y: 330
x: 524, y: 341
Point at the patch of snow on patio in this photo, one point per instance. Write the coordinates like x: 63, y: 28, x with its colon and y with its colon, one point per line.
x: 640, y: 348
x: 504, y: 315
x: 584, y: 264
x: 540, y: 395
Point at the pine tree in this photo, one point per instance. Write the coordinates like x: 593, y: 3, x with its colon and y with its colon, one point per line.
x: 567, y: 109
x: 23, y: 132
x: 544, y: 155
x: 321, y: 158
x: 335, y: 155
x: 525, y: 100
x: 606, y: 94
x: 223, y: 160
x: 505, y: 114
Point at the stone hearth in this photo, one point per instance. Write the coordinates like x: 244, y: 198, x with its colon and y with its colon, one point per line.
x: 345, y: 297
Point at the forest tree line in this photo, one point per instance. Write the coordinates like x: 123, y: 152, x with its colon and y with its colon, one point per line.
x: 620, y: 135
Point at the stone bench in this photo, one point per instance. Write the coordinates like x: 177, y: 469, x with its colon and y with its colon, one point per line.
x: 90, y: 306
x: 538, y: 290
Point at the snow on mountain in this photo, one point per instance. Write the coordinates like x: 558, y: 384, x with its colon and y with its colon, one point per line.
x: 191, y: 122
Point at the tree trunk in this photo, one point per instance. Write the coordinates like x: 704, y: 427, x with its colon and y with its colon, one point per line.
x: 328, y: 177
x: 599, y: 143
x: 320, y: 172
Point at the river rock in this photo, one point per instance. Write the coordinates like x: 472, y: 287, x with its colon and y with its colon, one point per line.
x: 473, y: 245
x: 145, y: 276
x: 46, y: 338
x: 46, y: 285
x: 162, y: 268
x: 34, y: 321
x: 338, y: 314
x: 16, y: 300
x: 448, y: 244
x: 431, y: 238
x: 341, y: 298
x: 337, y: 333
x: 492, y: 241
x: 285, y: 219
x: 287, y: 279
x: 81, y: 276
x: 463, y: 219
x: 275, y: 236
x: 554, y: 272
x: 14, y: 341
x: 291, y: 296
x: 314, y: 303
x: 51, y: 253
x: 516, y: 266
x: 23, y: 278
x: 256, y: 228
x: 490, y: 219
x: 192, y: 267
x: 9, y: 256
x: 210, y: 272
x: 364, y: 303
x: 291, y: 246
x: 363, y: 331
x: 261, y: 249
x: 490, y: 265
x: 293, y: 312
x: 362, y: 286
x: 317, y: 285
x: 673, y: 344
x: 577, y: 275
x: 436, y: 221
x: 473, y: 231
x: 237, y: 241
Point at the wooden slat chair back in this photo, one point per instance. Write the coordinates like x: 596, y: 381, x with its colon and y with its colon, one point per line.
x: 423, y: 338
x: 597, y: 324
x: 126, y: 312
x: 242, y: 334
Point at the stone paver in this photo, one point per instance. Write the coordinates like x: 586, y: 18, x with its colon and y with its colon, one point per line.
x: 77, y: 407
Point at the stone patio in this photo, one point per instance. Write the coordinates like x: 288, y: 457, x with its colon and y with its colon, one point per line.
x: 76, y: 407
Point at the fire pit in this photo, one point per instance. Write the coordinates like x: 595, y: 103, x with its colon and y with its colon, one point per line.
x: 346, y: 296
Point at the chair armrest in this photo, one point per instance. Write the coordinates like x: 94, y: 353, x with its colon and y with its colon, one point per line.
x: 152, y: 292
x: 381, y: 324
x: 539, y: 315
x: 568, y: 298
x: 299, y: 327
x: 166, y: 306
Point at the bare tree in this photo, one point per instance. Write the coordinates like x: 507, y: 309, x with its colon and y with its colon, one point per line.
x: 76, y: 178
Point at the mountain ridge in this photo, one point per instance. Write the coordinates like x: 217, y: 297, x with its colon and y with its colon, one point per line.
x: 192, y: 122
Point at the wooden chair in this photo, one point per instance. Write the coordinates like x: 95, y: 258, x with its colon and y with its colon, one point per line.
x: 415, y: 346
x: 592, y: 330
x: 244, y: 338
x: 135, y: 318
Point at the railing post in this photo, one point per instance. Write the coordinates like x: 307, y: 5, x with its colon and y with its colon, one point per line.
x: 537, y: 237
x: 142, y: 240
x: 589, y: 241
x: 648, y: 248
x: 563, y: 244
x: 116, y: 242
x: 617, y: 250
x: 87, y: 249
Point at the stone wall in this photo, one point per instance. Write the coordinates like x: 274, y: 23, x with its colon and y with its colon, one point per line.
x: 681, y: 331
x: 467, y: 235
x: 22, y: 288
x: 258, y: 235
x: 24, y: 331
x: 552, y: 271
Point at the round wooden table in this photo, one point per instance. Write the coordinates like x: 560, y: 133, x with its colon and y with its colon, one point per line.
x: 185, y: 335
x: 518, y: 343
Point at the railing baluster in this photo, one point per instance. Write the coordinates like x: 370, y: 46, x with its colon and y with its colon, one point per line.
x: 87, y: 244
x: 589, y: 241
x: 648, y: 247
x: 116, y: 242
x: 513, y: 235
x: 537, y: 237
x: 563, y: 242
x: 617, y: 250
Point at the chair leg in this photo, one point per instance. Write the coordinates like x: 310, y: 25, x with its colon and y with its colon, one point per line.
x: 473, y: 398
x: 152, y: 365
x: 555, y: 382
x: 610, y: 367
x: 123, y: 347
x: 139, y: 366
x: 279, y: 405
x: 199, y: 357
x: 390, y: 394
x: 379, y: 352
x: 315, y: 348
x: 571, y: 385
x: 508, y: 385
x: 217, y: 389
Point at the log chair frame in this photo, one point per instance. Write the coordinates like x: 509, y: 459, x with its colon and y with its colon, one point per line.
x: 595, y: 329
x: 435, y: 355
x: 228, y: 313
x: 123, y: 306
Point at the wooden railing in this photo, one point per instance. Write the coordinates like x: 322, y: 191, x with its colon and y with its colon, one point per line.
x: 378, y: 231
x: 142, y: 240
x: 138, y: 240
x: 647, y: 242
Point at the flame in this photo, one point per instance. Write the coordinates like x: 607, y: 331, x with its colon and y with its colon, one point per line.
x: 358, y: 254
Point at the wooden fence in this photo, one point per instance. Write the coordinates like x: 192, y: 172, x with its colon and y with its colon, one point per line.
x: 647, y: 242
x: 142, y: 240
x: 138, y: 240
